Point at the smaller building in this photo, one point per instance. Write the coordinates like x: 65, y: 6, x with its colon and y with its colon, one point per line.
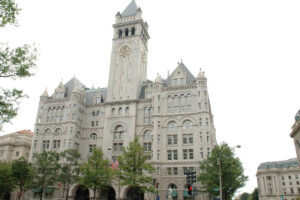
x: 15, y: 145
x: 279, y: 180
x: 295, y: 134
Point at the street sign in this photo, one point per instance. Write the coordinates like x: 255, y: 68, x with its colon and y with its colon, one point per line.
x: 216, y: 189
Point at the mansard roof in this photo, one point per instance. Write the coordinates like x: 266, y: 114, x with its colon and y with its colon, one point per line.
x: 91, y: 93
x: 189, y: 76
x: 279, y: 164
x: 131, y: 9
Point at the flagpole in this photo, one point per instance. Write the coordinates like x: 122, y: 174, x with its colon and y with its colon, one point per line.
x: 119, y: 184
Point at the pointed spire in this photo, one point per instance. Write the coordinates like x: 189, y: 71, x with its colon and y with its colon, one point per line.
x: 45, y: 93
x: 131, y: 9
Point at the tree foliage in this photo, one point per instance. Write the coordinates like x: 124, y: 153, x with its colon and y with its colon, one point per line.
x: 96, y: 172
x: 255, y: 195
x: 135, y: 171
x: 22, y: 174
x: 6, y: 181
x: 245, y: 196
x: 14, y: 64
x: 46, y: 169
x: 232, y: 172
x: 8, y: 12
x: 70, y: 168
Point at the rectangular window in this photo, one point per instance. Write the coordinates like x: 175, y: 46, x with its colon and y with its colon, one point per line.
x: 169, y: 154
x: 269, y: 178
x: 158, y: 109
x: 175, y: 170
x: 199, y: 104
x: 191, y: 154
x: 208, y: 152
x: 189, y: 108
x: 184, y: 139
x: 292, y: 191
x: 290, y: 177
x: 298, y: 190
x: 185, y: 156
x: 92, y: 123
x: 175, y: 81
x: 282, y: 177
x: 91, y: 148
x: 291, y: 183
x: 97, y: 123
x: 283, y: 183
x: 158, y: 98
x: 158, y: 139
x: 35, y: 144
x: 184, y: 170
x: 157, y: 171
x: 175, y: 139
x: 158, y: 154
x: 200, y: 122
x: 169, y: 170
x: 17, y: 154
x: 175, y: 155
x: 201, y: 154
x: 191, y: 138
x: 169, y: 139
x: 298, y: 183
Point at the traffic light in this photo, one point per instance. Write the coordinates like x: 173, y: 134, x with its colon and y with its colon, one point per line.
x: 156, y: 186
x: 188, y: 177
x: 190, y: 189
x: 193, y: 177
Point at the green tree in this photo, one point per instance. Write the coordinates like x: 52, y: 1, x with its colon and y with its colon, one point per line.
x: 14, y: 64
x: 22, y: 174
x: 96, y: 172
x: 245, y: 196
x: 135, y: 171
x: 6, y: 180
x: 46, y: 169
x: 70, y: 168
x: 232, y: 172
x: 8, y: 12
x: 254, y: 194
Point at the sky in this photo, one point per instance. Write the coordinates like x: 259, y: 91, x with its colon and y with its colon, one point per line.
x: 249, y: 51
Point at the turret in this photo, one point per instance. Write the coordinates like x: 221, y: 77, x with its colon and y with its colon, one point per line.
x: 201, y: 79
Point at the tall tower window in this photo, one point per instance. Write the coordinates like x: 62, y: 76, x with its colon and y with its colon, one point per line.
x: 126, y: 32
x: 120, y: 33
x: 132, y: 31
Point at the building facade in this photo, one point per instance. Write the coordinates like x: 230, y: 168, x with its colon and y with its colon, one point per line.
x: 15, y: 145
x: 279, y: 180
x: 171, y: 117
x: 295, y: 134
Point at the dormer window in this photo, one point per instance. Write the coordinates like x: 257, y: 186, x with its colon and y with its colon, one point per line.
x: 132, y: 31
x: 126, y: 32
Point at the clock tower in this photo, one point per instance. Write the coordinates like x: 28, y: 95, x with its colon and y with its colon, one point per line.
x: 128, y: 65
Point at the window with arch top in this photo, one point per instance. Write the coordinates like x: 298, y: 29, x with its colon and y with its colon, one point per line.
x: 147, y: 135
x: 126, y: 32
x: 119, y: 132
x: 120, y: 33
x: 172, y: 125
x: 132, y: 31
x: 57, y: 132
x: 93, y: 136
x: 187, y: 124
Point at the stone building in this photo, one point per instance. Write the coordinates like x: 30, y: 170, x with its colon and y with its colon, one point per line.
x: 15, y: 145
x: 171, y: 116
x: 295, y: 134
x: 279, y: 180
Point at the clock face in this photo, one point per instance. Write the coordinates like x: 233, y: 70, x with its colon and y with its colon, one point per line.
x: 124, y: 50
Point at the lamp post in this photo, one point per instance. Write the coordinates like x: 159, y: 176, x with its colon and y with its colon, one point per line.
x: 220, y: 171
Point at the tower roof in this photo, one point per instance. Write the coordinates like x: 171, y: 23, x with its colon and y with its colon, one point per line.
x: 130, y: 9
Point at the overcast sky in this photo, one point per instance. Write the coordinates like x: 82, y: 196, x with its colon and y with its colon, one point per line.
x: 248, y: 49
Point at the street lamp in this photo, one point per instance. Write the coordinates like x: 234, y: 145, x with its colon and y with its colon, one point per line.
x: 220, y: 172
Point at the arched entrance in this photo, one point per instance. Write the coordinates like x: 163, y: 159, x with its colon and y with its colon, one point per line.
x: 108, y: 193
x: 82, y: 193
x: 134, y: 194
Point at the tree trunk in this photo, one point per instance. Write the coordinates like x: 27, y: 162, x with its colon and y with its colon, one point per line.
x: 67, y: 190
x: 94, y: 194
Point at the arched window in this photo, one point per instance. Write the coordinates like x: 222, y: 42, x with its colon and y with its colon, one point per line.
x: 187, y: 124
x: 126, y: 32
x: 171, y: 125
x: 147, y: 135
x: 78, y: 134
x: 120, y: 33
x: 93, y: 113
x: 127, y: 110
x: 113, y: 111
x: 47, y: 132
x: 118, y: 132
x: 132, y: 31
x: 120, y: 110
x: 169, y: 99
x: 173, y: 186
x: 57, y: 132
x: 93, y: 136
x: 118, y: 139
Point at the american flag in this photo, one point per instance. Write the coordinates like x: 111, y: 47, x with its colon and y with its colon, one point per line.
x: 114, y: 164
